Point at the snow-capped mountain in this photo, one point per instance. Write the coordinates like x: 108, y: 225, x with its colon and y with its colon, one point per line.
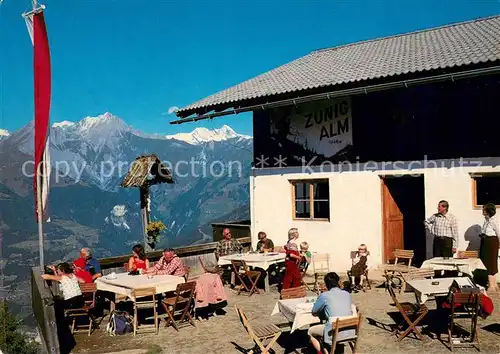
x: 204, y: 135
x: 87, y: 206
x: 64, y: 123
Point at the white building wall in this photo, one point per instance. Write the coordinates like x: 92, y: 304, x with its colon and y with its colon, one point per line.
x: 355, y: 208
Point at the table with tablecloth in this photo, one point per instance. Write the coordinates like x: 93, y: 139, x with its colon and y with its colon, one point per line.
x: 125, y: 284
x: 424, y: 288
x: 464, y: 265
x: 255, y: 260
x: 299, y: 311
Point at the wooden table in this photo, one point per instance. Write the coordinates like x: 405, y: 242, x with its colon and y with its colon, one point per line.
x: 423, y: 288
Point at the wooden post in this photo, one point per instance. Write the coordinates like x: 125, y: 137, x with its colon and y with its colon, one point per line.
x: 144, y: 196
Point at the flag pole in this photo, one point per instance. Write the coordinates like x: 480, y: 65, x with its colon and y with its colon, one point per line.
x: 40, y: 219
x: 40, y: 162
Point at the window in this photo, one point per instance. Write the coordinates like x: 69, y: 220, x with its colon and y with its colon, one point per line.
x: 311, y: 199
x: 486, y: 189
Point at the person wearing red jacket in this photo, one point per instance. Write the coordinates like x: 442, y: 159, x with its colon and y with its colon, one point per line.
x: 80, y: 272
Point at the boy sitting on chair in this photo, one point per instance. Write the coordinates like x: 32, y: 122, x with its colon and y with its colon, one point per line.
x: 359, y: 266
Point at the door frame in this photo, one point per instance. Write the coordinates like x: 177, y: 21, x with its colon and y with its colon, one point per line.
x: 383, y: 177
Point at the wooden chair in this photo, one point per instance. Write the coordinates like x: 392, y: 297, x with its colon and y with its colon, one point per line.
x: 406, y: 256
x: 244, y: 274
x: 294, y: 293
x: 321, y: 266
x: 145, y: 299
x: 259, y: 334
x: 365, y: 281
x: 467, y: 254
x: 464, y: 305
x: 409, y: 311
x: 220, y: 272
x: 181, y: 304
x: 415, y: 274
x: 303, y: 275
x: 186, y: 275
x: 353, y: 322
x: 89, y: 292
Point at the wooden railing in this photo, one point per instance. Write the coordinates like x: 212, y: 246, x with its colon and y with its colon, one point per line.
x: 189, y: 255
x: 42, y: 299
x: 43, y: 309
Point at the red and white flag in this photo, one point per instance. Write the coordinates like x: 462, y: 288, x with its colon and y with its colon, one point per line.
x: 42, y: 80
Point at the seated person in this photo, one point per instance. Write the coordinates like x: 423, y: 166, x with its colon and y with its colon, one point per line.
x: 359, y: 265
x: 169, y: 264
x: 264, y: 244
x: 69, y: 285
x: 332, y: 303
x: 92, y: 264
x: 306, y: 256
x: 80, y: 272
x: 138, y: 261
x: 227, y: 245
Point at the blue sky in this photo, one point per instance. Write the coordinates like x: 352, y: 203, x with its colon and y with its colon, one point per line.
x: 138, y: 58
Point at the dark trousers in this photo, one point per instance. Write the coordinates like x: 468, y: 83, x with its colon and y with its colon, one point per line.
x: 443, y: 246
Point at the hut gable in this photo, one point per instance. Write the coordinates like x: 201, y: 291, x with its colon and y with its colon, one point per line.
x: 147, y: 170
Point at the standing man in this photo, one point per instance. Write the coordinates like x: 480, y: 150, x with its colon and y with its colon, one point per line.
x: 227, y: 245
x: 444, y: 227
x: 264, y: 244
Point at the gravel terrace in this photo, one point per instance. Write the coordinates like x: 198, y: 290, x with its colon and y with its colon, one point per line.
x: 225, y: 333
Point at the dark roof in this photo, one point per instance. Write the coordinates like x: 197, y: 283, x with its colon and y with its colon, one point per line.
x: 451, y: 46
x: 145, y: 171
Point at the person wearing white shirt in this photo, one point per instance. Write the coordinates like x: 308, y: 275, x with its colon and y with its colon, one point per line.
x: 490, y: 235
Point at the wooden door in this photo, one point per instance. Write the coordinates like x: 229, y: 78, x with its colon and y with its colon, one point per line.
x: 392, y: 224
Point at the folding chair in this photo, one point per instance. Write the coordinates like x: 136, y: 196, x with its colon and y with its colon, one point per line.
x: 88, y: 291
x: 321, y: 266
x: 418, y: 273
x: 353, y: 322
x: 180, y: 304
x: 259, y: 334
x: 294, y: 293
x: 464, y: 305
x: 467, y: 254
x: 145, y: 299
x: 187, y: 270
x: 409, y: 311
x: 220, y: 272
x: 252, y: 276
x: 399, y: 269
x: 303, y: 275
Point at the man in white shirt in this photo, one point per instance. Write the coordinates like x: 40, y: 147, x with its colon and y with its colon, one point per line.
x: 444, y: 227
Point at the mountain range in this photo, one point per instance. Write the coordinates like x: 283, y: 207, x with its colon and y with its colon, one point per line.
x: 87, y: 206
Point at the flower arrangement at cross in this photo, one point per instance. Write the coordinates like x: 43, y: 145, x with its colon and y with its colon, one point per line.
x: 154, y: 230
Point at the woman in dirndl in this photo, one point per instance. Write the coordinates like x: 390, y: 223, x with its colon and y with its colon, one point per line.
x: 490, y: 235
